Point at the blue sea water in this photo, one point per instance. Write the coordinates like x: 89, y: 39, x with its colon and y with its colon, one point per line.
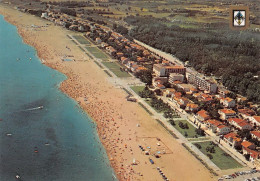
x: 66, y: 139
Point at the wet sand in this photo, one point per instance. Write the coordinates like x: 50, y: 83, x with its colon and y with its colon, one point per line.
x: 116, y: 118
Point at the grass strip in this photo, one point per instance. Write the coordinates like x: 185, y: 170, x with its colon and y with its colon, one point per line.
x: 198, y: 158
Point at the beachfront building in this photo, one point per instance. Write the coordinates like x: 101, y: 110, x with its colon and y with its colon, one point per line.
x: 129, y: 64
x: 246, y: 113
x: 232, y: 139
x: 164, y: 71
x: 98, y: 40
x: 212, y: 124
x: 255, y: 135
x: 159, y: 80
x: 202, y: 83
x: 222, y: 129
x: 191, y: 107
x: 228, y: 102
x: 249, y: 145
x: 104, y: 45
x: 202, y: 116
x: 169, y: 92
x: 111, y: 50
x: 226, y: 113
x: 124, y: 60
x: 175, y: 77
x: 240, y: 123
x: 187, y: 88
x: 250, y: 149
x: 119, y: 54
x: 217, y: 127
x: 255, y: 120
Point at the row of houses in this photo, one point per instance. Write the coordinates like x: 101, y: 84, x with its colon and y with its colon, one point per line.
x: 233, y: 123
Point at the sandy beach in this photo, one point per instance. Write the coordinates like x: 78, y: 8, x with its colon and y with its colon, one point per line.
x: 116, y: 118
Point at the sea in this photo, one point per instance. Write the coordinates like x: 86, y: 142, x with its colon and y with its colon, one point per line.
x: 44, y: 134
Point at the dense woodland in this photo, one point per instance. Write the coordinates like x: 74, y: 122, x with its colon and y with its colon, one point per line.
x: 232, y: 56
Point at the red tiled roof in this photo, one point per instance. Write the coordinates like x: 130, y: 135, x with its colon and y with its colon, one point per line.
x: 222, y: 126
x: 256, y: 133
x: 247, y: 112
x: 202, y: 113
x: 231, y: 135
x: 123, y: 58
x: 242, y: 124
x: 214, y: 122
x: 254, y: 154
x: 228, y: 99
x: 192, y: 105
x: 160, y: 86
x: 237, y: 120
x: 246, y: 144
x: 257, y: 118
x: 227, y: 111
x: 177, y: 94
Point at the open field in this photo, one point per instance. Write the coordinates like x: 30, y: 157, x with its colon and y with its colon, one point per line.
x: 220, y: 158
x: 81, y: 40
x: 190, y: 131
x: 97, y: 52
x: 137, y: 89
x: 115, y: 68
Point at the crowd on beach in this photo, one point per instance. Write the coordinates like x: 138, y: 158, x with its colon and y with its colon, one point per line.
x: 116, y: 119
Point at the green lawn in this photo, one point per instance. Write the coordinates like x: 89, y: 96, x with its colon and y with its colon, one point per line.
x: 81, y: 39
x: 137, y: 89
x: 148, y: 101
x: 97, y: 52
x: 191, y: 131
x: 115, y: 68
x: 222, y: 161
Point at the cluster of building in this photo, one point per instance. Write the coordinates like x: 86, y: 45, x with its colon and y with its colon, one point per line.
x: 170, y: 78
x: 230, y: 123
x: 176, y: 82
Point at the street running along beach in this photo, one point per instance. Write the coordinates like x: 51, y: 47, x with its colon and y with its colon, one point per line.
x: 116, y: 118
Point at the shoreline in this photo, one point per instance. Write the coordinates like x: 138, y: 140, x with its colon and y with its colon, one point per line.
x: 117, y: 135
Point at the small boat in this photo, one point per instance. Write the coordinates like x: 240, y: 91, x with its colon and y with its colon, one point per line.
x: 8, y: 134
x: 36, y: 149
x: 30, y: 58
x: 17, y: 176
x: 47, y: 144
